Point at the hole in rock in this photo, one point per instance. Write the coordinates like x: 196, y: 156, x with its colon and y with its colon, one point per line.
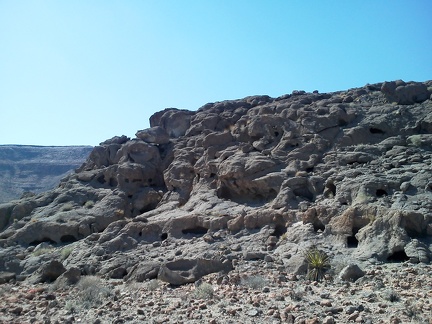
x: 276, y: 134
x: 318, y: 226
x: 374, y: 130
x: 342, y: 122
x: 164, y: 236
x: 101, y: 179
x: 279, y: 230
x: 303, y: 192
x: 113, y: 182
x: 398, y: 256
x: 332, y: 188
x: 68, y: 239
x: 45, y: 239
x: 140, y: 234
x: 146, y: 209
x: 381, y: 193
x: 212, y: 175
x: 352, y: 241
x: 310, y: 169
x: 196, y: 231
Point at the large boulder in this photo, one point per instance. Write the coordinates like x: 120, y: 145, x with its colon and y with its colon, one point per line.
x: 185, y: 271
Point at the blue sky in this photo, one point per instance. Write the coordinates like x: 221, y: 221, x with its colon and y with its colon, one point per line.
x: 79, y: 72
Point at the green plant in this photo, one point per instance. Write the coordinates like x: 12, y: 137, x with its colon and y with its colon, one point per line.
x: 254, y: 282
x: 297, y: 295
x: 318, y: 263
x: 89, y: 204
x: 391, y: 296
x: 284, y: 237
x: 67, y: 207
x: 42, y: 251
x: 91, y: 291
x: 153, y: 284
x: 415, y: 140
x: 204, y: 291
x: 65, y: 252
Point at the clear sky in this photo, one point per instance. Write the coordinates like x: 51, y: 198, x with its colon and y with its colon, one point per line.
x: 79, y: 72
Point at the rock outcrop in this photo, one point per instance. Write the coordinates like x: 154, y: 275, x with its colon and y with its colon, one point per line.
x: 257, y: 178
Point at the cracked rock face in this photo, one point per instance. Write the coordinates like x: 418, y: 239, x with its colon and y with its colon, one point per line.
x: 350, y: 171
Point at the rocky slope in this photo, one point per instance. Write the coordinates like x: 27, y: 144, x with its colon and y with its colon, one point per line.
x: 233, y: 193
x: 36, y: 169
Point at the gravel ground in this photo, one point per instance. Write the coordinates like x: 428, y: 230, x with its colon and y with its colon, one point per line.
x: 256, y: 292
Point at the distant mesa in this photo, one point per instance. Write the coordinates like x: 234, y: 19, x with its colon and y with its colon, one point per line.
x: 26, y: 169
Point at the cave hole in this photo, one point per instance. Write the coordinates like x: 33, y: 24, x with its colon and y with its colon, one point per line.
x: 113, y: 182
x: 68, y: 239
x: 352, y: 241
x: 330, y: 186
x: 195, y: 231
x: 279, y: 230
x: 310, y: 169
x: 276, y: 134
x: 342, y: 122
x: 101, y: 179
x: 318, y: 226
x: 45, y: 239
x: 374, y: 130
x: 381, y: 193
x: 140, y: 233
x: 146, y: 209
x: 303, y: 192
x: 164, y: 236
x: 398, y: 256
x: 212, y: 175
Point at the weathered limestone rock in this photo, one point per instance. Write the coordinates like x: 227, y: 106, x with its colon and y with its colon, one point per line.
x: 348, y: 171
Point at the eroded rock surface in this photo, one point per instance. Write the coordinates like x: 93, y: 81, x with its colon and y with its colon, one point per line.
x: 258, y: 178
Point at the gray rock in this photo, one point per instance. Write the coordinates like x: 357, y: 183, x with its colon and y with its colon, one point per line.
x: 190, y: 270
x: 143, y: 271
x: 6, y: 276
x: 153, y: 135
x: 69, y: 277
x: 48, y: 272
x: 351, y: 272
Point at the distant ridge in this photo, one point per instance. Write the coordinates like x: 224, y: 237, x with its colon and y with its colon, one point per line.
x: 34, y: 168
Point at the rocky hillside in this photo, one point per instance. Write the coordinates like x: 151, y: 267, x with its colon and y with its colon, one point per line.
x: 36, y: 169
x: 238, y: 188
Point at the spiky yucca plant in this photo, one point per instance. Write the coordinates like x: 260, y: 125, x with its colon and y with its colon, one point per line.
x: 318, y: 263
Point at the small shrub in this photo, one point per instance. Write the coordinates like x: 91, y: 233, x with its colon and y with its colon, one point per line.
x: 42, y: 251
x: 204, y: 291
x: 318, y: 263
x: 297, y: 295
x: 391, y: 296
x: 92, y: 292
x: 254, y: 282
x: 89, y: 204
x: 153, y: 284
x: 67, y: 207
x: 284, y: 237
x: 65, y: 252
